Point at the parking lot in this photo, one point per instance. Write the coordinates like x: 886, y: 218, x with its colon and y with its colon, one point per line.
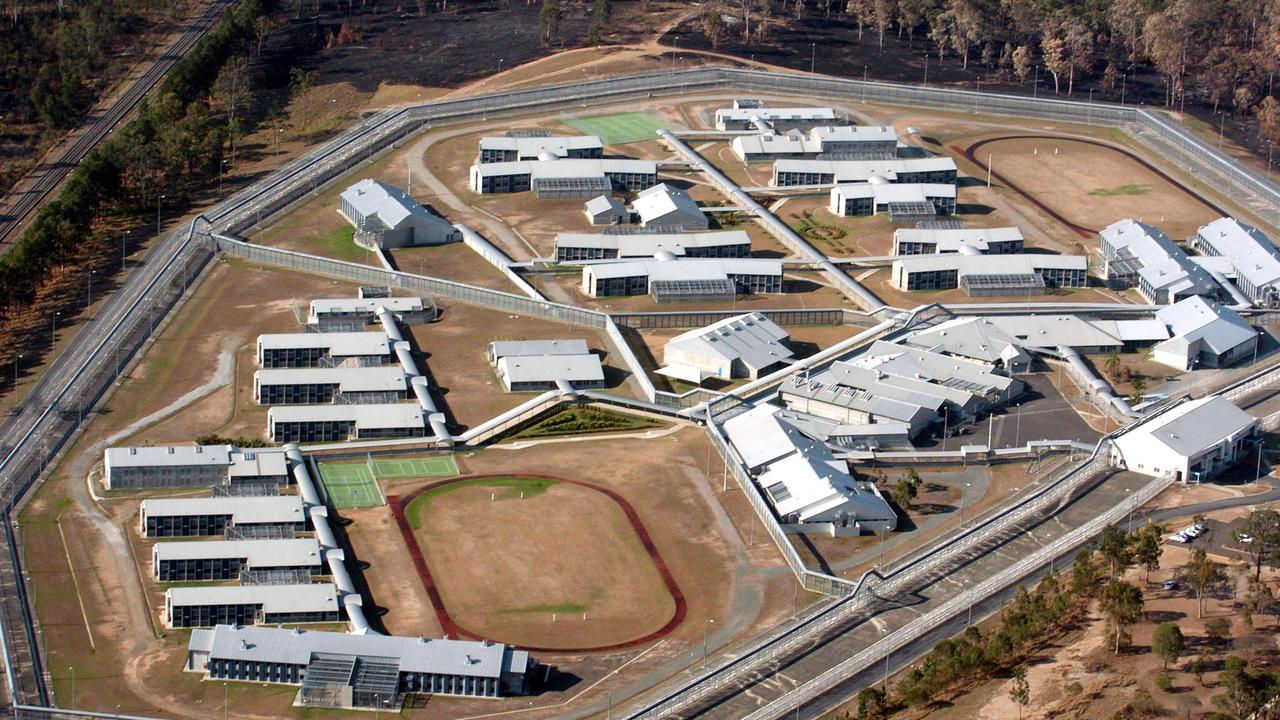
x: 1041, y: 413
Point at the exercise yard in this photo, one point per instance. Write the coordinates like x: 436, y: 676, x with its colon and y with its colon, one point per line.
x: 350, y: 485
x: 1088, y: 184
x: 541, y: 562
x: 619, y: 128
x: 443, y: 466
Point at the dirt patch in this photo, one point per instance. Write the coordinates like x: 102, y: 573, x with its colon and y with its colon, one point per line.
x: 552, y: 567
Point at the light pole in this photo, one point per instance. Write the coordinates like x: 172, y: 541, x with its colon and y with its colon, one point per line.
x: 1271, y: 146
x: 72, y: 668
x: 123, y: 244
x: 1017, y: 427
x: 500, y: 64
x: 225, y: 708
x: 926, y: 69
x: 88, y: 289
x: 1123, y: 77
x: 158, y: 199
x: 864, y: 84
x: 16, y: 360
x: 1257, y: 478
x: 222, y: 169
x: 962, y: 492
x: 53, y: 334
x: 709, y: 621
x: 1035, y: 84
x: 813, y: 56
x: 1222, y: 126
x: 279, y: 130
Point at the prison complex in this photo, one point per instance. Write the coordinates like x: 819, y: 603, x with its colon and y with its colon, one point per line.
x: 575, y: 247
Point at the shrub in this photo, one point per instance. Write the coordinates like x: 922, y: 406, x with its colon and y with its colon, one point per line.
x: 1164, y: 682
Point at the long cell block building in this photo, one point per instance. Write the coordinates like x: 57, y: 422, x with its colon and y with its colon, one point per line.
x: 191, y: 607
x: 192, y: 466
x: 225, y: 559
x: 186, y: 517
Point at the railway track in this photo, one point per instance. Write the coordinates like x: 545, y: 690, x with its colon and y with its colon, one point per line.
x: 51, y: 175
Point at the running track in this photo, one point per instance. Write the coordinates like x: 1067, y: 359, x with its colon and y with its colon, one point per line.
x: 1079, y: 229
x: 452, y: 629
x: 47, y: 177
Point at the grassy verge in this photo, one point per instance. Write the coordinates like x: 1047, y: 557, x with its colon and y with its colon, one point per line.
x: 1121, y: 190
x: 512, y: 488
x: 582, y: 421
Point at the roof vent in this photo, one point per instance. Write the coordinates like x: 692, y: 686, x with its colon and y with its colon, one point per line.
x: 170, y: 449
x: 133, y: 451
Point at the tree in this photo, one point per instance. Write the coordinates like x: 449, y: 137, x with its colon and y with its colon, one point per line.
x: 1146, y: 549
x: 1084, y: 573
x: 1054, y: 51
x: 872, y: 703
x: 1218, y: 629
x: 1167, y: 643
x: 1245, y: 690
x: 904, y: 492
x: 1122, y: 603
x: 1264, y: 526
x: 1200, y: 571
x: 1022, y: 63
x: 549, y: 20
x: 300, y: 81
x: 231, y: 89
x: 1020, y: 689
x: 1114, y: 548
x: 1139, y: 387
x: 1112, y: 363
x: 713, y: 25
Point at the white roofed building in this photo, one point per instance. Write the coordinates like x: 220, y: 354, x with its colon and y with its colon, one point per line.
x: 779, y: 119
x: 1204, y: 334
x: 672, y: 280
x: 363, y: 309
x: 975, y: 338
x: 606, y: 210
x: 192, y: 466
x: 509, y: 148
x: 305, y: 386
x: 1137, y: 254
x: 790, y: 172
x: 990, y: 275
x: 748, y: 345
x: 386, y: 217
x: 315, y: 350
x: 966, y: 241
x: 190, y: 607
x: 529, y: 365
x: 183, y: 517
x: 666, y: 206
x: 902, y: 202
x: 1188, y: 443
x: 549, y: 177
x: 578, y: 247
x: 878, y: 142
x: 339, y: 423
x: 1254, y: 256
x: 809, y: 489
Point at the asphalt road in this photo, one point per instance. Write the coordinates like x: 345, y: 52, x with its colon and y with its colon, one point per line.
x: 44, y: 181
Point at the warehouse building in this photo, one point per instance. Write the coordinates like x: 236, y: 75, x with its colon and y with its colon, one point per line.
x: 1204, y: 335
x: 551, y: 178
x: 386, y: 217
x: 809, y: 489
x: 990, y: 275
x: 1139, y: 255
x: 911, y: 379
x: 606, y: 210
x: 907, y: 171
x: 278, y: 515
x: 192, y: 466
x: 319, y: 350
x: 974, y: 338
x: 867, y: 142
x: 902, y: 202
x: 1191, y: 442
x: 528, y: 365
x: 339, y: 423
x: 226, y: 559
x: 353, y: 385
x: 575, y: 247
x: 193, y: 607
x: 1255, y: 258
x: 749, y: 345
x: 513, y: 148
x: 362, y: 671
x: 672, y: 280
x: 777, y: 119
x: 408, y: 310
x: 665, y: 206
x: 966, y: 241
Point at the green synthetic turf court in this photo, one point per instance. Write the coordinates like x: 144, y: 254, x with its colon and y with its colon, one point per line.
x: 443, y: 466
x: 619, y: 128
x: 350, y: 485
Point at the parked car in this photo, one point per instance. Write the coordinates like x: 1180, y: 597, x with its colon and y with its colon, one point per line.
x: 1201, y: 527
x: 1245, y: 538
x: 1179, y: 538
x: 1170, y: 585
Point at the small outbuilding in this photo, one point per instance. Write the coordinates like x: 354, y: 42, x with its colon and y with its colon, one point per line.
x: 386, y: 217
x: 670, y: 207
x: 606, y: 210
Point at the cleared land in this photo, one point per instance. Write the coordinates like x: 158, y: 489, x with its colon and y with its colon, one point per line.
x: 522, y: 560
x: 618, y: 128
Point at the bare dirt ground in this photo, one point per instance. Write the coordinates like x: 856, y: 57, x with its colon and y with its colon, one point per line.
x: 559, y: 569
x: 454, y: 351
x: 403, y: 606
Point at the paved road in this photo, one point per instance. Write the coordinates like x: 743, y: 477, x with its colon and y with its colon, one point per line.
x: 43, y: 182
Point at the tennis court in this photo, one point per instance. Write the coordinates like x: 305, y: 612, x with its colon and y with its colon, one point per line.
x: 350, y: 485
x: 618, y: 128
x: 443, y: 466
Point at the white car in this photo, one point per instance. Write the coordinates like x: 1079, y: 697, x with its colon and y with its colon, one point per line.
x: 1245, y: 538
x: 1179, y: 538
x: 1201, y: 527
x: 1192, y: 532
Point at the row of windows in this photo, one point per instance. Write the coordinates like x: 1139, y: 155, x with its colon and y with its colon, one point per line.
x: 933, y: 280
x: 195, y: 569
x: 1064, y: 277
x: 564, y: 254
x: 409, y: 682
x: 194, y: 525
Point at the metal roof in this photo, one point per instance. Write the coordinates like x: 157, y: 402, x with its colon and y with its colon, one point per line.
x: 364, y: 305
x: 415, y: 655
x: 547, y: 368
x: 752, y: 338
x: 649, y: 244
x: 365, y: 417
x: 288, y: 552
x: 242, y: 510
x: 949, y: 240
x: 274, y: 599
x: 687, y: 269
x: 972, y: 337
x: 601, y: 204
x: 1196, y: 425
x: 172, y: 455
x: 895, y: 192
x: 1162, y: 264
x: 259, y: 462
x: 854, y: 133
x: 662, y: 200
x: 1255, y: 257
x: 520, y: 348
x: 344, y: 344
x: 533, y: 146
x: 1054, y: 330
x: 991, y: 264
x: 390, y: 378
x: 851, y: 171
x: 787, y: 113
x: 1197, y: 319
x: 567, y: 167
x: 390, y: 205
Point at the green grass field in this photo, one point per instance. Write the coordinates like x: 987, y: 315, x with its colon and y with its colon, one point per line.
x: 443, y: 466
x: 1122, y: 190
x: 351, y: 485
x: 619, y: 128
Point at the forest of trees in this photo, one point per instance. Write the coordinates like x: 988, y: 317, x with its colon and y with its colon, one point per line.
x: 1224, y: 53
